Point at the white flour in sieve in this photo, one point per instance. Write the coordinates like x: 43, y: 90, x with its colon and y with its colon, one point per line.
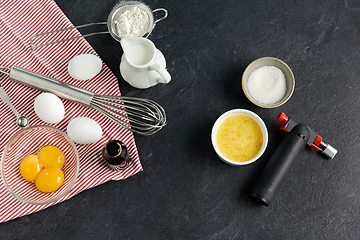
x: 267, y: 85
x: 134, y: 22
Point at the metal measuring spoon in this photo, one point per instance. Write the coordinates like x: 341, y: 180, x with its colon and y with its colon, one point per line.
x: 21, y: 121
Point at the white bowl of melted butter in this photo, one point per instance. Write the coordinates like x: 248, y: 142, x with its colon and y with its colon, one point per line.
x: 239, y: 137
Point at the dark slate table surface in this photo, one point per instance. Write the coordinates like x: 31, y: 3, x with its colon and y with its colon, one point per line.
x: 185, y: 191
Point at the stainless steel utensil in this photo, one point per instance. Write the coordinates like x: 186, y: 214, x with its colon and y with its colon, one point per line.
x: 111, y: 25
x: 138, y: 115
x: 21, y: 121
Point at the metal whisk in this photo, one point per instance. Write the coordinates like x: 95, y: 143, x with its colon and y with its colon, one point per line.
x: 138, y: 115
x: 145, y: 116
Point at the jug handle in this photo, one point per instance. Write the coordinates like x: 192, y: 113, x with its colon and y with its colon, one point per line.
x: 165, y: 75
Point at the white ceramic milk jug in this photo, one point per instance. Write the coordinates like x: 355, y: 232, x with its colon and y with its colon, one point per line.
x: 142, y: 64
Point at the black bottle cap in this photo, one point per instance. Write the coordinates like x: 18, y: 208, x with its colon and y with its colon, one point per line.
x: 113, y: 149
x: 115, y: 152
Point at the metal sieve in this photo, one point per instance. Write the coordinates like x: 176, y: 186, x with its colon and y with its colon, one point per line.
x: 116, y: 12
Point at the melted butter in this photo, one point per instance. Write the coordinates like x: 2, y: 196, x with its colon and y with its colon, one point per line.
x: 239, y: 138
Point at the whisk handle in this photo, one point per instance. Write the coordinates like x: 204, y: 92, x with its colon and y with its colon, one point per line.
x: 54, y: 86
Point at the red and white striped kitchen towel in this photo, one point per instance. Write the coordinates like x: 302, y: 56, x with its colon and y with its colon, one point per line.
x: 19, y: 19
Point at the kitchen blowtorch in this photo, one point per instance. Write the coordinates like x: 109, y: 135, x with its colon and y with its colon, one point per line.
x: 297, y: 138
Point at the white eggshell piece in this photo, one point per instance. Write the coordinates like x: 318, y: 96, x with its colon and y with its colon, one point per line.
x: 49, y: 108
x: 84, y: 66
x: 84, y: 130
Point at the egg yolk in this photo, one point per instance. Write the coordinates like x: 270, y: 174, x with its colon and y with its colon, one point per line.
x: 44, y: 169
x: 51, y: 157
x: 49, y: 179
x: 30, y: 167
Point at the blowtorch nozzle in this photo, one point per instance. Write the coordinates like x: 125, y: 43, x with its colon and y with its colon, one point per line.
x: 327, y: 150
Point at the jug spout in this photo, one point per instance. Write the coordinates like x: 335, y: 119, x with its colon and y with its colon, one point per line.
x: 126, y: 44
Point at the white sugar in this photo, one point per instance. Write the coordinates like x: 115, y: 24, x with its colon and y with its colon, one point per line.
x: 267, y: 85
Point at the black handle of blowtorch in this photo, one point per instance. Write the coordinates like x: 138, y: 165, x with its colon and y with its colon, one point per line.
x: 280, y: 164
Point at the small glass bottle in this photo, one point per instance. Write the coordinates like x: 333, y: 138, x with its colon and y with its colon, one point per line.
x: 115, y: 153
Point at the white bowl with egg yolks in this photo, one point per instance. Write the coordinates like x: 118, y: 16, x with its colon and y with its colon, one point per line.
x: 247, y: 138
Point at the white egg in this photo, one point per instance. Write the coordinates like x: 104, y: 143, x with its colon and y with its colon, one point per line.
x: 84, y: 66
x: 49, y: 108
x: 84, y: 130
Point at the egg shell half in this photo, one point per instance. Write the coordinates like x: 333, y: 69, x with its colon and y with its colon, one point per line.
x: 84, y: 66
x: 84, y: 130
x: 49, y: 108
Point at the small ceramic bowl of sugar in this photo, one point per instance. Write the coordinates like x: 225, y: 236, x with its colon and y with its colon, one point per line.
x: 268, y: 82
